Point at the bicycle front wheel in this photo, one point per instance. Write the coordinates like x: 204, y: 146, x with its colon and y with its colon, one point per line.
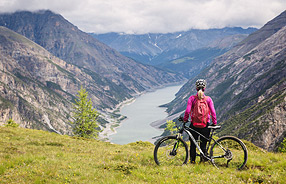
x: 171, y: 150
x: 229, y: 152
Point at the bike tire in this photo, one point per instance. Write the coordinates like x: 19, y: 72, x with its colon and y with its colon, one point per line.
x: 234, y: 154
x: 163, y: 151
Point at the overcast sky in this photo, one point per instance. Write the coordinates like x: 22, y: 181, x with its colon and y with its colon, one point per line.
x: 155, y: 16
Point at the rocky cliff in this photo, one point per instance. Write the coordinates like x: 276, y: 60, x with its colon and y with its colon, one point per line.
x: 36, y: 87
x: 247, y: 85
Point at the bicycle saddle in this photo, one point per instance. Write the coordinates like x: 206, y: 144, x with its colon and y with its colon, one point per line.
x: 214, y: 127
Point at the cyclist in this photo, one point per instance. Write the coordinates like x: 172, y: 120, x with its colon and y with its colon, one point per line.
x: 201, y: 128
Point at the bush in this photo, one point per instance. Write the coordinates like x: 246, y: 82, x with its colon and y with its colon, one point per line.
x: 282, y: 147
x: 11, y: 123
x: 171, y: 127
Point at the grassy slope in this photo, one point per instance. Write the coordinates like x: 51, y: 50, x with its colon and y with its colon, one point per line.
x: 33, y: 156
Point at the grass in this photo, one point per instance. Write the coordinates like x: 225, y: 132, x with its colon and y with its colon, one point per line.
x: 34, y: 156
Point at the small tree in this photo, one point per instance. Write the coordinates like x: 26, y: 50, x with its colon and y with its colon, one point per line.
x: 11, y: 123
x: 85, y: 116
x: 171, y: 127
x: 282, y: 147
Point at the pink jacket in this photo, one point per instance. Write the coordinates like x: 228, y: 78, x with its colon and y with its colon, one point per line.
x: 190, y: 105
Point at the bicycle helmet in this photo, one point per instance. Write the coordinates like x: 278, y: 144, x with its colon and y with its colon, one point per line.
x: 201, y: 84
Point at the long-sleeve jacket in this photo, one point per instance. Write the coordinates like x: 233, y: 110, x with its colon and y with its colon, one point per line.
x: 190, y: 107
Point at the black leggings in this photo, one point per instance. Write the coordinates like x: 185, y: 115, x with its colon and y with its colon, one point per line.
x: 205, y: 132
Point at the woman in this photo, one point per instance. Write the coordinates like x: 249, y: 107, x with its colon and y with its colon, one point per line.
x: 200, y: 124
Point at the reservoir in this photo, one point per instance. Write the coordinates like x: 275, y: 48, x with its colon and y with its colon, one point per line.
x: 141, y: 113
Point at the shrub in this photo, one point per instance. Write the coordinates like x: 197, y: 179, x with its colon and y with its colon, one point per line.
x: 11, y: 123
x: 282, y: 147
x: 171, y: 127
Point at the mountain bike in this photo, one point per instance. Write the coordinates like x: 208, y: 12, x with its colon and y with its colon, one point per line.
x: 227, y: 151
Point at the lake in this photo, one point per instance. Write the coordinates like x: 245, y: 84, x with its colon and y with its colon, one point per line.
x: 141, y: 113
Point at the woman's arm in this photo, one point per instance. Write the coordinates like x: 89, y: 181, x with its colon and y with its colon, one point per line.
x: 189, y: 108
x: 212, y: 110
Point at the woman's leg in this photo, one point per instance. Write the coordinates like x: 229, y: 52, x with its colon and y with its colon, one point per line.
x: 193, y: 153
x: 205, y: 132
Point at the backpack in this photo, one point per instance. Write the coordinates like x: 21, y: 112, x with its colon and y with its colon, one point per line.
x: 200, y: 112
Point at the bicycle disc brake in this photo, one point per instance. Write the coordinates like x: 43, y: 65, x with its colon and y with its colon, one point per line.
x: 228, y: 155
x: 171, y: 154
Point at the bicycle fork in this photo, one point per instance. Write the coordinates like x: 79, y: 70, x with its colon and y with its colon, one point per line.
x: 175, y: 147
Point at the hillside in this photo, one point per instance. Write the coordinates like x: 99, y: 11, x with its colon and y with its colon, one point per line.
x: 33, y: 156
x: 248, y: 86
x: 193, y: 63
x: 67, y: 42
x: 42, y: 72
x: 37, y: 89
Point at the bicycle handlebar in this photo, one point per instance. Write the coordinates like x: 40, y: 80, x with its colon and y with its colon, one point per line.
x: 210, y: 126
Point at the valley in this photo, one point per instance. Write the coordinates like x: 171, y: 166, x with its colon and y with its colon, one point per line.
x: 45, y: 60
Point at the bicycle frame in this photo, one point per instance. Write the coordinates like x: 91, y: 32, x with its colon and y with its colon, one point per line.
x: 189, y: 130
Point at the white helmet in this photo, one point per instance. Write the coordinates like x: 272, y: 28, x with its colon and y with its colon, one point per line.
x: 201, y: 84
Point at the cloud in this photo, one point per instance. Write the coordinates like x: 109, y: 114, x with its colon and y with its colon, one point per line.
x: 142, y: 16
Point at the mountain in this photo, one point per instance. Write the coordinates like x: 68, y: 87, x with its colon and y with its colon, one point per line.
x: 70, y: 44
x: 248, y: 86
x: 157, y: 48
x: 42, y: 72
x: 37, y: 88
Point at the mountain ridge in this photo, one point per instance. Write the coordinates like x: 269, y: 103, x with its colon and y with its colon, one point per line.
x: 244, y: 81
x: 150, y: 46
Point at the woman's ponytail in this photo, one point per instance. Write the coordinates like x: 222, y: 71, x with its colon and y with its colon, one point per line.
x: 201, y: 85
x: 200, y: 94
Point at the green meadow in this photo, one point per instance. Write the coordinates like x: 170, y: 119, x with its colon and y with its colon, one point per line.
x: 34, y: 156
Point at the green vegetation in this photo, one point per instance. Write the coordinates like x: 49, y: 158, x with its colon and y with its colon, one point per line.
x: 247, y: 120
x: 35, y: 156
x: 11, y: 123
x: 85, y: 117
x: 171, y: 127
x: 282, y: 148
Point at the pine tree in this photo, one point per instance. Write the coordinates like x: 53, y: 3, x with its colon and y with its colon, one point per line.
x: 85, y: 116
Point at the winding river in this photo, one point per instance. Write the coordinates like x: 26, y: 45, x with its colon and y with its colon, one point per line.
x: 141, y: 113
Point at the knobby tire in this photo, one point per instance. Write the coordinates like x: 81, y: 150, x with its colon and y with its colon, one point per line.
x: 234, y: 154
x: 171, y: 150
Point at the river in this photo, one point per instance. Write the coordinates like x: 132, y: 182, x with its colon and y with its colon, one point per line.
x: 141, y: 113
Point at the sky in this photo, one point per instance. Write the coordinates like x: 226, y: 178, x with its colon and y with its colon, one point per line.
x: 154, y: 16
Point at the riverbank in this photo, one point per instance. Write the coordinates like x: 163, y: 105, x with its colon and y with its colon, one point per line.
x: 116, y: 119
x: 140, y: 113
x: 114, y: 122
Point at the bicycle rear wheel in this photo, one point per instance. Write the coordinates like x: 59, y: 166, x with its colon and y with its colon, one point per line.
x: 171, y: 150
x: 229, y: 152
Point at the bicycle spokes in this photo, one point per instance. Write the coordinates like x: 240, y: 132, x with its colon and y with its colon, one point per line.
x: 229, y: 152
x: 171, y: 151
